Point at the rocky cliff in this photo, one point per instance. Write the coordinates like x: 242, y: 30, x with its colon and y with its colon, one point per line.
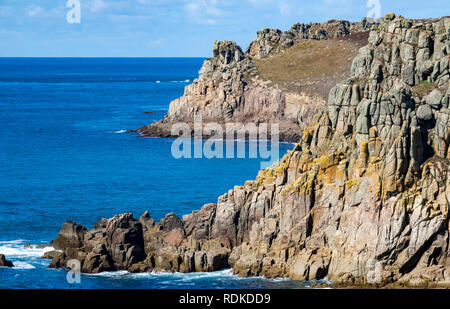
x: 363, y: 198
x: 240, y: 87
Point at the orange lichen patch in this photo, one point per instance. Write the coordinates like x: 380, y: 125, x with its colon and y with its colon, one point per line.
x: 364, y: 147
x: 309, y: 130
x: 266, y: 177
x: 352, y: 183
x: 374, y: 160
x: 280, y: 170
x: 373, y: 176
x: 328, y: 161
x: 329, y: 176
x: 308, y: 187
x: 305, y: 162
x: 341, y: 172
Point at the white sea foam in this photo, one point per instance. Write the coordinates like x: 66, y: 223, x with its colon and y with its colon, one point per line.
x: 173, y: 276
x: 111, y: 274
x: 182, y: 277
x: 121, y: 131
x: 18, y: 241
x: 182, y: 81
x: 22, y: 265
x: 15, y: 248
x: 20, y: 256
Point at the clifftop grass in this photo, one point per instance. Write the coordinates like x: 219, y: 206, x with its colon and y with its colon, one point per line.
x: 311, y: 64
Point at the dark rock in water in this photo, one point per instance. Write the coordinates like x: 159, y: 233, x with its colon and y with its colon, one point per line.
x: 97, y: 263
x: 113, y: 244
x: 58, y: 259
x: 4, y: 262
x: 151, y: 113
x: 123, y: 243
x: 40, y: 246
x: 71, y: 235
x: 51, y: 254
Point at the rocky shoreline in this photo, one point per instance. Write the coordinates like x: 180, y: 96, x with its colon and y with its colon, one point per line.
x: 362, y: 199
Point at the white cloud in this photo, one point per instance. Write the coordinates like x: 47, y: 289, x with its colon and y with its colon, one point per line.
x: 156, y: 43
x: 35, y: 10
x: 285, y: 8
x: 203, y: 11
x: 98, y: 5
x: 336, y: 2
x: 262, y: 3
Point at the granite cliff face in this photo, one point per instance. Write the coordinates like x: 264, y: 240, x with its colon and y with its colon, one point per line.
x: 363, y: 198
x: 229, y: 88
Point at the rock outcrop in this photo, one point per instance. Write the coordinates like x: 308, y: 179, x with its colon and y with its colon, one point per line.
x: 4, y: 262
x: 362, y: 199
x: 114, y: 244
x: 272, y: 41
x: 229, y: 88
x: 123, y: 243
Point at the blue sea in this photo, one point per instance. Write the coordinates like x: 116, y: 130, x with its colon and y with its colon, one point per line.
x: 64, y: 156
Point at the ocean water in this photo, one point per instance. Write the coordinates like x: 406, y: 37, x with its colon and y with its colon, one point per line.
x: 63, y: 156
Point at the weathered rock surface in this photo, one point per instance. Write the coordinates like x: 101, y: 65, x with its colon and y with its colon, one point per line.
x: 363, y: 198
x: 4, y: 262
x: 229, y: 89
x: 123, y: 243
x: 114, y: 244
x: 272, y: 41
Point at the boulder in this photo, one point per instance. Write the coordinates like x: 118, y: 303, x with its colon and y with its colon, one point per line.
x: 424, y: 112
x: 112, y: 244
x: 4, y: 262
x: 434, y: 98
x: 71, y: 235
x: 171, y: 221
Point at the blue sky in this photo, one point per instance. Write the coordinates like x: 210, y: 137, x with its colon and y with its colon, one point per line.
x: 169, y: 28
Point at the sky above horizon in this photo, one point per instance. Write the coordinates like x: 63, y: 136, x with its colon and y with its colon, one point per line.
x: 171, y: 28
